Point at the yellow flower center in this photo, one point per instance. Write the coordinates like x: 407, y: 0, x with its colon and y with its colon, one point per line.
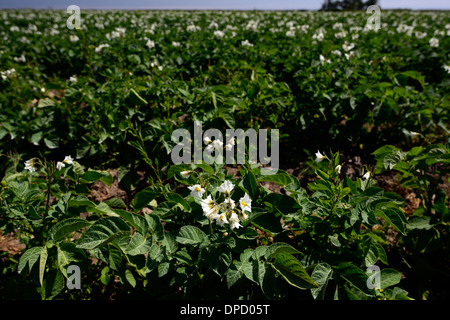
x: 197, y: 189
x: 244, y: 204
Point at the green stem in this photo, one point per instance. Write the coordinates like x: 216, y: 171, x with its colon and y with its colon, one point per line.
x: 49, y: 183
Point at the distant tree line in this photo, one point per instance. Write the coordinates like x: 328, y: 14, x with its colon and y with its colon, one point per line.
x: 338, y: 5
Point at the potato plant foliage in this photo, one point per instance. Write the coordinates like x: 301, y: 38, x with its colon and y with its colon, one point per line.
x: 78, y: 104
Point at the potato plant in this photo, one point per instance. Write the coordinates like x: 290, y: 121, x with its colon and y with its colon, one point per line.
x: 98, y: 105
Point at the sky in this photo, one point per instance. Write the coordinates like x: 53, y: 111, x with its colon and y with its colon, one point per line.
x: 212, y: 4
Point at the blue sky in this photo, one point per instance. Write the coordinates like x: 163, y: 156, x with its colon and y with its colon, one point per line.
x: 210, y: 4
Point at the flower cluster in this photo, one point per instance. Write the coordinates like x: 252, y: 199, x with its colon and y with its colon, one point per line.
x: 7, y: 73
x: 217, y: 144
x: 67, y: 160
x: 31, y: 164
x: 226, y: 212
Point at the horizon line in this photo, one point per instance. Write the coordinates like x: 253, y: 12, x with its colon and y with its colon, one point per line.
x: 215, y: 9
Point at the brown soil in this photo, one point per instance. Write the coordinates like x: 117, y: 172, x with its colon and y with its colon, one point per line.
x: 10, y: 244
x: 101, y: 191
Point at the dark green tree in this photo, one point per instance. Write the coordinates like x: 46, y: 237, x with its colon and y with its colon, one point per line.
x: 337, y: 5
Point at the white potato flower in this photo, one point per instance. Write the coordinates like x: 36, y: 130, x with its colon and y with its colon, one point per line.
x: 318, y: 36
x: 210, y: 208
x: 30, y: 165
x: 246, y: 203
x: 150, y: 44
x: 221, y: 219
x: 226, y: 187
x: 219, y: 33
x: 68, y: 160
x: 217, y: 144
x: 197, y: 190
x: 207, y: 140
x: 337, y: 52
x: 60, y: 165
x: 447, y: 68
x: 290, y: 33
x: 100, y: 47
x: 348, y: 46
x: 323, y: 60
x: 319, y: 156
x: 420, y: 35
x: 246, y: 43
x: 185, y: 174
x: 234, y: 221
x: 229, y: 204
x: 434, y: 42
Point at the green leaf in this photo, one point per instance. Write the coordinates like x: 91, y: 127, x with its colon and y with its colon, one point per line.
x: 105, y: 277
x: 143, y: 198
x: 281, y: 178
x: 371, y: 256
x: 281, y: 202
x: 393, y: 216
x: 102, y: 232
x: 138, y: 244
x: 52, y: 285
x: 155, y: 226
x: 250, y: 184
x: 114, y: 257
x: 422, y: 222
x: 389, y: 277
x: 47, y: 102
x: 175, y: 197
x: 191, y: 235
x: 94, y: 175
x: 234, y: 273
x: 219, y: 259
x: 130, y: 278
x: 251, y: 270
x: 51, y: 141
x: 227, y: 117
x: 392, y: 159
x: 246, y: 233
x: 334, y: 239
x: 322, y: 175
x: 116, y: 202
x: 136, y: 221
x: 103, y: 209
x: 353, y: 275
x: 163, y: 269
x: 42, y: 262
x: 29, y: 258
x: 77, y: 168
x: 65, y: 227
x: 205, y: 167
x: 321, y: 275
x: 183, y: 257
x: 279, y: 247
x: 170, y: 243
x: 269, y: 282
x: 293, y: 271
x: 67, y: 254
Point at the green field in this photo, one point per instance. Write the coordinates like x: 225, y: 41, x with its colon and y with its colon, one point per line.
x: 86, y: 123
